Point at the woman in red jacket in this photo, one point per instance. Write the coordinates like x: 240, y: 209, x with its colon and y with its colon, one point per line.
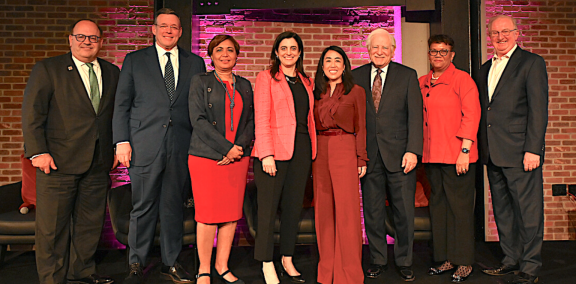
x: 340, y: 115
x: 284, y: 148
x: 451, y: 118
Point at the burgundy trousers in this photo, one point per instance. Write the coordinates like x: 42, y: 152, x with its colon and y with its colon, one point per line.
x: 337, y: 208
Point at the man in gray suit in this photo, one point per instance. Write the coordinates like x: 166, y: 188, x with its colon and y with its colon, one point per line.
x: 152, y: 133
x: 513, y: 88
x: 394, y: 139
x: 67, y: 127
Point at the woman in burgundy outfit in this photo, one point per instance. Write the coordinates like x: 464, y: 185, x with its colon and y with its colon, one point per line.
x: 340, y: 115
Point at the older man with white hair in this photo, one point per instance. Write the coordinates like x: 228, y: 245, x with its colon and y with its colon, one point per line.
x: 394, y: 140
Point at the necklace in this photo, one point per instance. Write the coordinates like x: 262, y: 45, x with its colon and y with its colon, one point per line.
x: 230, y: 97
x: 289, y: 80
x: 435, y: 78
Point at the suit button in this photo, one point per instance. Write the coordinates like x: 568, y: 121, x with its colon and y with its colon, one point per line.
x: 164, y: 125
x: 489, y: 108
x: 489, y: 125
x: 210, y: 105
x: 214, y: 123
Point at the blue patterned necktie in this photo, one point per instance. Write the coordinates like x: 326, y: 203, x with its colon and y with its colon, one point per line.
x: 94, y: 88
x: 169, y: 77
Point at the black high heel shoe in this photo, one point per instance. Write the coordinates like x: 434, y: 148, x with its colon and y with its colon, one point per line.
x: 439, y: 270
x: 203, y: 275
x: 221, y: 276
x: 293, y: 279
x: 461, y: 278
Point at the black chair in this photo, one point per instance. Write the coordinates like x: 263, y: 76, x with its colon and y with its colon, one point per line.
x: 120, y: 205
x: 306, y: 227
x: 15, y: 228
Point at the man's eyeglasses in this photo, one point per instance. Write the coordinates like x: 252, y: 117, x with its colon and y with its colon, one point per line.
x: 164, y: 27
x: 442, y: 52
x: 82, y: 38
x: 504, y: 32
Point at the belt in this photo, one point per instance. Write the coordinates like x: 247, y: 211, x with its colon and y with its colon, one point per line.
x: 332, y: 132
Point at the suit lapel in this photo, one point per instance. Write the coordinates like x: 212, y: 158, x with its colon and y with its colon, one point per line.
x: 154, y: 67
x: 390, y: 77
x: 510, y: 68
x: 364, y: 80
x: 105, y: 85
x: 76, y: 82
x: 286, y: 91
x: 183, y: 71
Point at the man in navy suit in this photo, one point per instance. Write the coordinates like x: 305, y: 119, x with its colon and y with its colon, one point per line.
x: 67, y: 127
x: 513, y: 88
x: 152, y: 133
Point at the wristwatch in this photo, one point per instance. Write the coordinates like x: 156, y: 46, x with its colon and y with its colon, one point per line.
x: 465, y: 150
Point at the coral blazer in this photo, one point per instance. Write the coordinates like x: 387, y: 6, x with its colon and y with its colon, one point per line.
x: 275, y: 118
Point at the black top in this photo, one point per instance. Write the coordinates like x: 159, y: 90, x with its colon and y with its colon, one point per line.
x: 301, y: 104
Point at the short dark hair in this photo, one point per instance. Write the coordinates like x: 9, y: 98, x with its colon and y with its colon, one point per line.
x: 89, y: 20
x: 446, y: 39
x: 275, y: 61
x: 217, y: 40
x: 166, y: 11
x: 321, y: 81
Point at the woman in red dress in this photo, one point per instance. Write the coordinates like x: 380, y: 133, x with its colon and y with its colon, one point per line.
x: 222, y: 116
x: 340, y: 115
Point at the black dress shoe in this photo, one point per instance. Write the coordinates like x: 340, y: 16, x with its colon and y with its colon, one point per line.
x: 177, y: 273
x: 503, y: 269
x: 221, y: 276
x: 135, y: 276
x: 293, y: 279
x: 92, y: 279
x: 406, y: 273
x: 375, y: 270
x: 523, y: 278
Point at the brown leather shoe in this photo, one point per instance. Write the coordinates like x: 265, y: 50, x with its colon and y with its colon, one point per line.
x: 503, y: 269
x: 177, y: 273
x: 135, y: 276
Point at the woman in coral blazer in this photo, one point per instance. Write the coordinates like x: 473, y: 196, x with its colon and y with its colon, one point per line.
x: 284, y: 148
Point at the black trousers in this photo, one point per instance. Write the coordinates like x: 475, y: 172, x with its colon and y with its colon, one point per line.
x: 452, y: 212
x: 69, y: 218
x: 518, y: 204
x: 401, y: 188
x: 286, y: 188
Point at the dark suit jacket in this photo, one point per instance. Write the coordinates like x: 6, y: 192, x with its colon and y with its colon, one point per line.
x: 397, y: 127
x: 143, y: 111
x: 207, y: 115
x: 58, y: 117
x: 515, y: 121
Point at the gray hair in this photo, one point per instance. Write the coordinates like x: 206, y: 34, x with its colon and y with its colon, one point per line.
x: 379, y: 31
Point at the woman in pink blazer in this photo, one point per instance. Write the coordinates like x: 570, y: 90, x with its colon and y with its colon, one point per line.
x: 284, y: 148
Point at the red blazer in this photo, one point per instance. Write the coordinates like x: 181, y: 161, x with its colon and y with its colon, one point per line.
x: 274, y: 117
x: 451, y: 113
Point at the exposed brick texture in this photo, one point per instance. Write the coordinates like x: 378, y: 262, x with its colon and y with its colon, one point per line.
x: 548, y: 28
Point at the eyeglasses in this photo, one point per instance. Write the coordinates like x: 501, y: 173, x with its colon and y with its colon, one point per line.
x: 164, y: 27
x: 504, y: 32
x: 442, y: 52
x: 82, y: 38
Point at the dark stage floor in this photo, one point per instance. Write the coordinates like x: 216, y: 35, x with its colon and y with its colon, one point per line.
x: 559, y: 265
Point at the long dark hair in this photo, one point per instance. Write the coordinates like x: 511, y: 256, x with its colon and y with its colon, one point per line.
x: 275, y: 61
x: 321, y: 81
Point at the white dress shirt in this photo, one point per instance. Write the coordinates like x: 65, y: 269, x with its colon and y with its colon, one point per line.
x: 373, y: 73
x: 162, y: 58
x: 85, y: 75
x: 496, y: 70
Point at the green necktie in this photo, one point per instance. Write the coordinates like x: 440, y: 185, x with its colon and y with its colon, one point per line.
x: 94, y: 89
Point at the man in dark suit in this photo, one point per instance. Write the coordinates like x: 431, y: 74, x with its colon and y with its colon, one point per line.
x: 152, y: 133
x: 67, y: 127
x: 393, y: 141
x: 513, y: 88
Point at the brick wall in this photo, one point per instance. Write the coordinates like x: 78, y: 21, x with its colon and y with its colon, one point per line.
x: 31, y: 30
x: 255, y: 31
x: 548, y: 28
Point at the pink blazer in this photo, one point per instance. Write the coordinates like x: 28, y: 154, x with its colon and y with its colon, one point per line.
x: 275, y: 119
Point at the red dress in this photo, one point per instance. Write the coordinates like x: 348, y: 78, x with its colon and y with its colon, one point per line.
x: 219, y: 190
